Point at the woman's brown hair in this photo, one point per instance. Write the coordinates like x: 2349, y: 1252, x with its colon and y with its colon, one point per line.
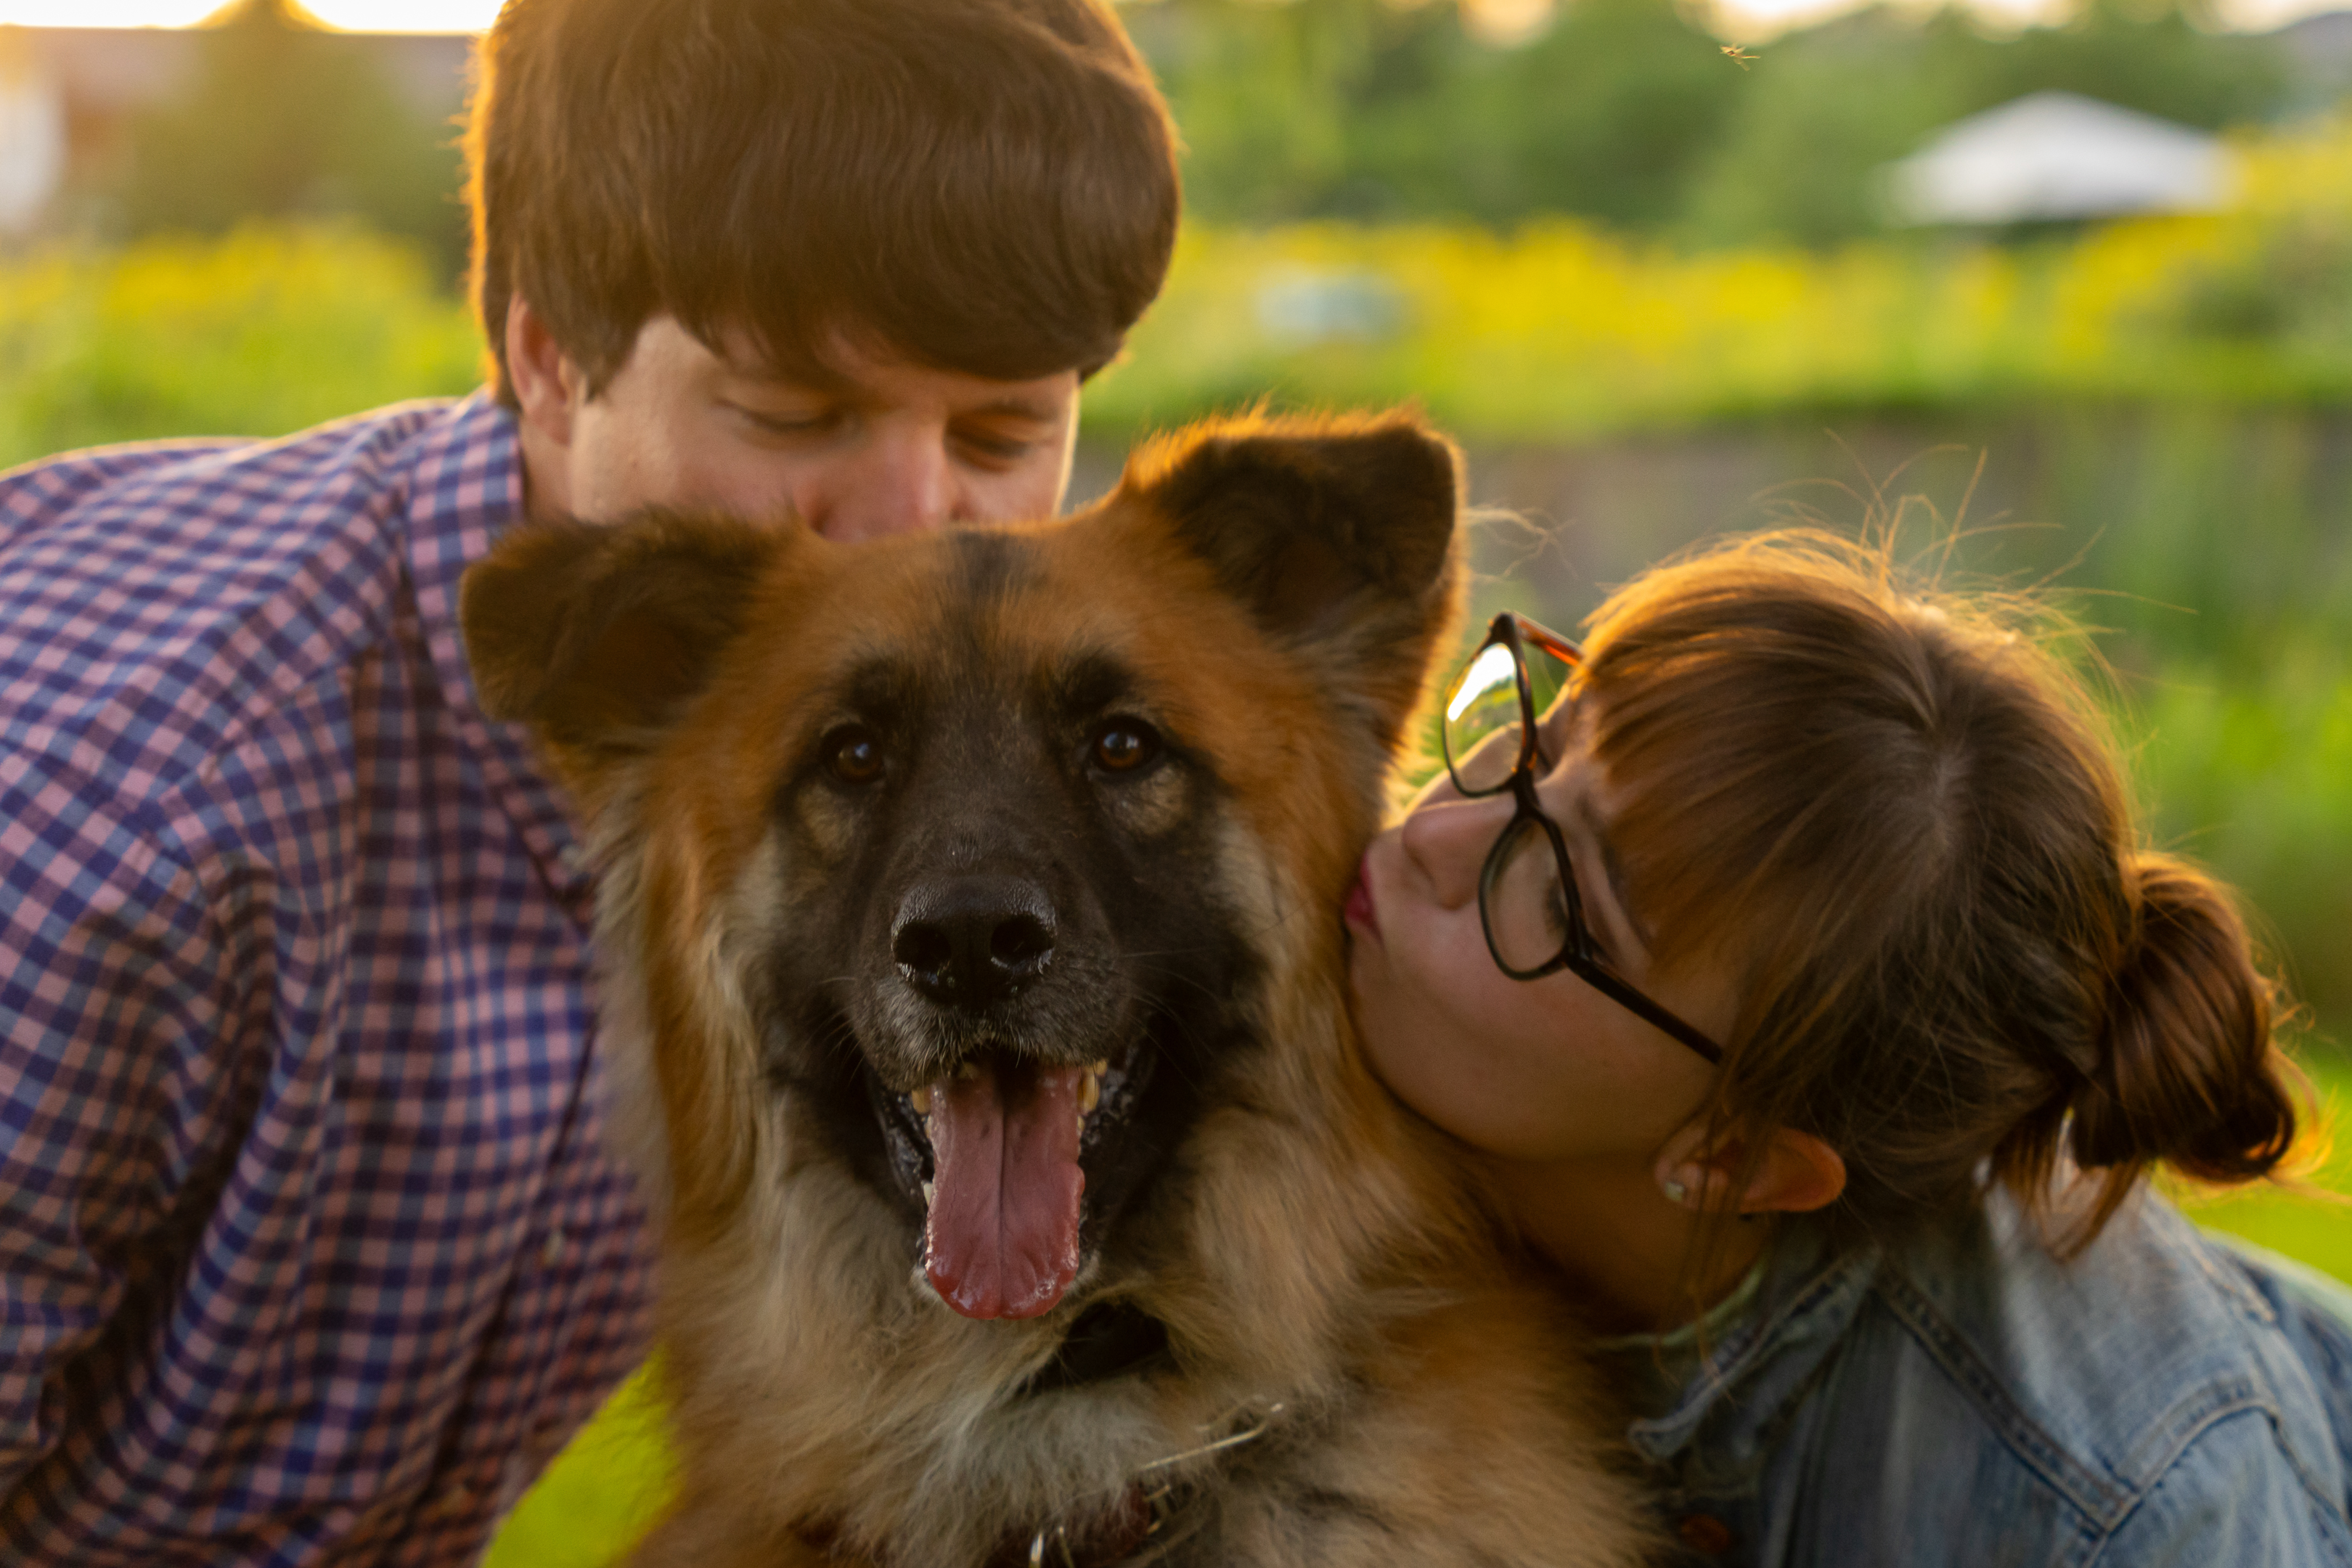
x: 1898, y: 814
x: 987, y: 186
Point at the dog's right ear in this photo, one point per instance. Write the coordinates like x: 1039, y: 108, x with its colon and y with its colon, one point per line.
x: 1337, y: 535
x: 597, y: 635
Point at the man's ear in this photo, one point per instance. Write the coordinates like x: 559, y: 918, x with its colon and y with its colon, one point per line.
x: 597, y: 635
x: 1337, y: 534
x: 545, y: 381
x: 1795, y: 1172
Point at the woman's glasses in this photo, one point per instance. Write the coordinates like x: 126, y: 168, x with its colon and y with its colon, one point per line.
x: 1528, y: 899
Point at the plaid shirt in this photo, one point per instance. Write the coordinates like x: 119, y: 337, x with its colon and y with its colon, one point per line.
x: 310, y: 1250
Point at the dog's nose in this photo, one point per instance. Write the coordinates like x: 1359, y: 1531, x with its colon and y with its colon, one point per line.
x: 967, y: 942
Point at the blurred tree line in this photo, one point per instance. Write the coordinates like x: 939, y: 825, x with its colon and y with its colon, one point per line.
x: 282, y: 118
x: 1629, y: 111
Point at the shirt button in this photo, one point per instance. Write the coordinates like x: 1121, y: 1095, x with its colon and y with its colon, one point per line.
x: 1705, y: 1534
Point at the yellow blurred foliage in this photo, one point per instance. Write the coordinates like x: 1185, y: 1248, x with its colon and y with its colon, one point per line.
x: 1561, y: 330
x: 261, y: 332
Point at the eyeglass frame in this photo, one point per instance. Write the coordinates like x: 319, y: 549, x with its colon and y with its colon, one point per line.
x: 1577, y: 953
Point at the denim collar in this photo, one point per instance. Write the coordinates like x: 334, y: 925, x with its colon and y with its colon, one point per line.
x: 1766, y: 1356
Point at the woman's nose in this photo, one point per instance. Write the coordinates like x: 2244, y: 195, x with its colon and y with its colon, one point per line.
x: 1448, y: 839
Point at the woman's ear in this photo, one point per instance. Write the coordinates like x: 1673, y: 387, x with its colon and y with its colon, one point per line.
x: 1797, y: 1173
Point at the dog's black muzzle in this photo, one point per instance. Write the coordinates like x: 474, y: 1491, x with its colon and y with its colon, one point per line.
x: 969, y: 943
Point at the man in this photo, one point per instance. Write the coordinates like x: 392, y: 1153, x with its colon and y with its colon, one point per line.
x: 308, y: 1248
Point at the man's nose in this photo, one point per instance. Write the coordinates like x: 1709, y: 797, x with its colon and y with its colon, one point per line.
x: 898, y: 480
x: 1448, y: 841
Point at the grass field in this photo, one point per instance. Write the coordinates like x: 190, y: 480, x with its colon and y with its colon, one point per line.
x: 608, y: 1484
x: 2301, y: 1226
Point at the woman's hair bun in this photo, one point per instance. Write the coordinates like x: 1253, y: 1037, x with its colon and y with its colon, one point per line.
x: 2187, y: 1072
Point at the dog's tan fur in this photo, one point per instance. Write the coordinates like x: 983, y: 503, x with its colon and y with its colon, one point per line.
x: 1322, y: 1277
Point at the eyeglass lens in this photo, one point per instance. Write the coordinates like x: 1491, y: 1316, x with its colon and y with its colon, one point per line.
x: 1483, y: 732
x: 1526, y: 907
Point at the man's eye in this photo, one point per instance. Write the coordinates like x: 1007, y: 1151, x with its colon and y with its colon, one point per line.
x: 992, y: 449
x: 773, y: 423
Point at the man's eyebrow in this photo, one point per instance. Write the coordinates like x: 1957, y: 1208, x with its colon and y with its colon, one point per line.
x: 1611, y: 867
x: 1043, y: 410
x: 756, y: 372
x: 829, y: 382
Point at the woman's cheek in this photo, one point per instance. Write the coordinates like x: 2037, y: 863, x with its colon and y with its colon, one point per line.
x: 1524, y: 1071
x: 1406, y: 1046
x: 1435, y: 1050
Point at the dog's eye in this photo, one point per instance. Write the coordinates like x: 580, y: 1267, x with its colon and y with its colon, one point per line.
x: 1123, y: 745
x: 854, y: 754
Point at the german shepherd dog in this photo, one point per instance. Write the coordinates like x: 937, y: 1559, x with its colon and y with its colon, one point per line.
x: 975, y: 1018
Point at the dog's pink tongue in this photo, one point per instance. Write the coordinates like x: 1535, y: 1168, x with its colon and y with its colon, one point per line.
x: 1003, y: 1239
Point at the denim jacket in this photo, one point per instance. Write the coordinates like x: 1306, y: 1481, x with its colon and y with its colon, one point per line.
x: 1970, y: 1400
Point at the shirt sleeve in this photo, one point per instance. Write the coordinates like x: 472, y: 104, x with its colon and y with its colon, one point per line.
x: 2234, y: 1496
x: 114, y: 1070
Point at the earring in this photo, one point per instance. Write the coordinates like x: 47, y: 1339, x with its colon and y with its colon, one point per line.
x: 1676, y: 1192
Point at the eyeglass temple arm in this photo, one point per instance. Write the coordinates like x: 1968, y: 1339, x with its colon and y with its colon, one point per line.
x: 1626, y: 997
x: 1550, y: 641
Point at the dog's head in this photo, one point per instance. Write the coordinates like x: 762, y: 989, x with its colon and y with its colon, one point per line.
x: 969, y: 861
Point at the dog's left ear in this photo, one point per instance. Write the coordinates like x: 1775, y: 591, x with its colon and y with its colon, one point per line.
x: 1336, y: 533
x: 597, y: 635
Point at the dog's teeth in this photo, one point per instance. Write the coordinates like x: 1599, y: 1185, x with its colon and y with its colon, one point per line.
x: 1101, y: 1068
x: 928, y: 1188
x: 1082, y: 1125
x: 969, y: 1070
x: 921, y: 1100
x: 1089, y: 1094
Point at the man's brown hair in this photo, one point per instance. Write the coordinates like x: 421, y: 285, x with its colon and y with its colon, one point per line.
x: 986, y: 187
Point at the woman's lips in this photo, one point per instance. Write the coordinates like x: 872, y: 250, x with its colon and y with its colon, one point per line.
x: 1358, y: 912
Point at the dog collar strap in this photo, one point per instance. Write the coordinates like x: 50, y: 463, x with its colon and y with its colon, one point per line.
x: 1148, y: 1504
x: 1104, y: 1542
x: 1111, y: 1538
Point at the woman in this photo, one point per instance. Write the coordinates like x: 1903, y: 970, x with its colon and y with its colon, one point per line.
x: 1800, y: 985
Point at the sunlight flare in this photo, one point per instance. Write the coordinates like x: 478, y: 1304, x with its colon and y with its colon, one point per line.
x: 351, y: 16
x: 1500, y: 21
x: 405, y: 16
x: 106, y: 12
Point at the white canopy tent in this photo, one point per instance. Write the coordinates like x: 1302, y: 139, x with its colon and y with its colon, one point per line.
x: 2053, y: 155
x: 32, y: 138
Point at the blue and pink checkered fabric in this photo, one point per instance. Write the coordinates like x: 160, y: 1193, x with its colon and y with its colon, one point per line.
x: 310, y: 1250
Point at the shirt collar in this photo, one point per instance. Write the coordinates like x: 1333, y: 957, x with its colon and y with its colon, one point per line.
x: 1755, y: 1363
x: 465, y: 490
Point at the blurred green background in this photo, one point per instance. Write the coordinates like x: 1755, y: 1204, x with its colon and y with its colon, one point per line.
x: 1649, y: 272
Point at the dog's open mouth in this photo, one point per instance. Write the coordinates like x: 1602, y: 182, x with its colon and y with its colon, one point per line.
x: 1001, y: 1144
